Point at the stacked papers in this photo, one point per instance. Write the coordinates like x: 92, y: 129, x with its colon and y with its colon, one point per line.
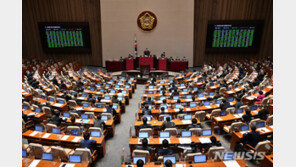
x: 186, y: 121
x: 185, y: 140
x: 204, y: 140
x: 231, y: 163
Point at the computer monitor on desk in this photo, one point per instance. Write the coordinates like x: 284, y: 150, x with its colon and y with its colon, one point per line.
x: 47, y: 156
x: 207, y: 132
x: 186, y: 134
x: 164, y: 134
x: 135, y: 160
x: 75, y: 158
x: 171, y: 158
x: 200, y: 159
x: 143, y: 135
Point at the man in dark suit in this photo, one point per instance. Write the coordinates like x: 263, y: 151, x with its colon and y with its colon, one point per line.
x: 144, y: 146
x: 99, y: 123
x: 54, y: 81
x: 252, y: 138
x: 146, y: 111
x: 168, y: 123
x: 193, y: 125
x: 224, y: 105
x: 247, y: 117
x: 86, y: 143
x: 146, y: 52
x: 145, y: 124
x: 149, y: 101
x: 165, y: 149
x: 56, y: 119
x: 111, y: 110
x: 214, y: 143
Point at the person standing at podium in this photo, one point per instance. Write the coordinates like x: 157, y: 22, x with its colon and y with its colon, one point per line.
x: 162, y: 55
x: 146, y: 53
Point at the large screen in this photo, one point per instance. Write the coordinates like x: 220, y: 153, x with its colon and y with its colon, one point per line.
x: 234, y: 36
x: 65, y: 37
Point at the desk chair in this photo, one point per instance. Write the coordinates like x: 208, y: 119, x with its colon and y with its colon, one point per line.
x: 255, y: 121
x: 190, y: 156
x: 230, y: 110
x: 200, y: 115
x: 36, y: 150
x: 27, y: 104
x: 212, y: 152
x: 72, y: 104
x: 90, y: 115
x: 73, y: 114
x: 180, y: 116
x: 235, y: 126
x: 60, y: 153
x: 162, y: 116
x: 196, y: 131
x: 51, y: 97
x: 269, y: 120
x: 142, y: 153
x: 173, y: 131
x: 215, y: 113
x: 264, y: 146
x: 244, y: 107
x: 47, y: 111
x: 86, y: 154
x: 49, y: 127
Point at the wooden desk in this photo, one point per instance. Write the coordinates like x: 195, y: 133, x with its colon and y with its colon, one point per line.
x: 26, y: 162
x: 173, y: 141
x: 267, y: 161
x: 63, y: 140
x: 38, y: 116
x: 180, y: 124
x: 110, y: 125
x: 98, y: 111
x: 237, y: 137
x: 207, y: 164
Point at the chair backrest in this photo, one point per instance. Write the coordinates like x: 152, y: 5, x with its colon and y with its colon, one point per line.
x: 69, y: 128
x: 190, y: 156
x: 265, y: 100
x: 36, y: 150
x: 173, y: 131
x: 96, y: 129
x: 49, y: 127
x: 144, y: 153
x: 200, y: 115
x: 269, y: 120
x: 58, y: 99
x: 149, y: 130
x: 59, y: 153
x: 180, y: 116
x: 230, y: 110
x: 213, y: 150
x: 235, y: 126
x: 263, y: 146
x: 162, y: 116
x: 244, y: 107
x: 196, y: 131
x: 47, y: 111
x: 27, y: 104
x: 90, y: 114
x: 73, y: 114
x: 109, y: 115
x: 85, y: 154
x: 215, y: 113
x: 35, y: 106
x: 72, y: 103
x: 255, y: 121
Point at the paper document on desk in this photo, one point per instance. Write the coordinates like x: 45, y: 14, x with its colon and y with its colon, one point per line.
x: 34, y: 163
x: 231, y: 163
x: 86, y: 121
x: 237, y: 89
x: 180, y: 165
x: 185, y: 140
x: 129, y: 165
x: 79, y: 108
x: 236, y: 116
x: 104, y: 100
x: 263, y: 130
x: 104, y: 109
x: 31, y: 114
x: 218, y: 119
x: 271, y: 126
x: 186, y: 121
x: 92, y: 109
x: 208, y: 106
x: 204, y: 140
x: 177, y: 109
x: 202, y: 98
x: 76, y: 139
x: 187, y: 109
x: 161, y: 139
x: 70, y: 165
x: 58, y: 104
x: 65, y: 137
x: 46, y: 135
x: 34, y: 133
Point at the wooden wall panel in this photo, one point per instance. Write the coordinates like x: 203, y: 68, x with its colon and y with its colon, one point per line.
x: 205, y: 10
x: 35, y: 11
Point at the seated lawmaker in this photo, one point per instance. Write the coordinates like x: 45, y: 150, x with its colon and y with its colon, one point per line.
x: 168, y: 123
x: 99, y: 123
x: 86, y: 143
x: 144, y: 146
x: 247, y: 117
x: 146, y: 110
x: 145, y: 124
x: 111, y: 110
x: 252, y: 138
x: 165, y: 149
x: 214, y: 143
x: 193, y: 125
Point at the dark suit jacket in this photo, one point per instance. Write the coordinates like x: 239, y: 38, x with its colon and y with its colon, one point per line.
x: 99, y: 123
x: 193, y: 126
x: 90, y: 144
x: 251, y: 138
x: 145, y: 126
x: 166, y: 124
x: 146, y: 112
x: 164, y: 151
x: 111, y: 110
x: 57, y: 120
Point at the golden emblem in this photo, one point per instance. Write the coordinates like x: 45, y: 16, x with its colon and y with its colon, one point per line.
x: 147, y: 20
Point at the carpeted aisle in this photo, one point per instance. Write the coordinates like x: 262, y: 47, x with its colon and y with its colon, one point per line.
x: 121, y: 138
